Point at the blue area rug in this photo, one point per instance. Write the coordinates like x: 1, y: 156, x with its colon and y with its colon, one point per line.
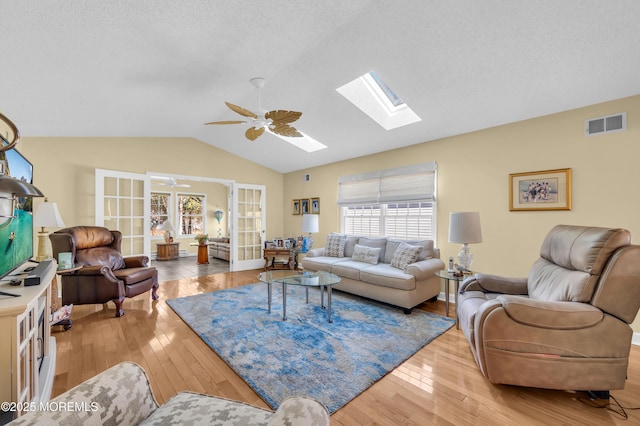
x: 306, y: 355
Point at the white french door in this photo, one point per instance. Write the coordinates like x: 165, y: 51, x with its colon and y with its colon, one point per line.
x: 122, y: 203
x: 249, y: 226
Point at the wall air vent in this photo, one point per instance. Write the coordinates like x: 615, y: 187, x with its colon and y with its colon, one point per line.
x: 611, y: 123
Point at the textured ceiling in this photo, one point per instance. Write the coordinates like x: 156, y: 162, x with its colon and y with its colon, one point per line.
x: 164, y: 67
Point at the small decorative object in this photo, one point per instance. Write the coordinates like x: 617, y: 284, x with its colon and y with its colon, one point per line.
x: 464, y: 228
x: 64, y: 260
x: 295, y: 207
x: 315, y: 205
x: 201, y: 238
x: 543, y: 190
x: 218, y: 214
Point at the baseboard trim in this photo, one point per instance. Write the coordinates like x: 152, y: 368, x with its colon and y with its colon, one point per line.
x: 635, y: 340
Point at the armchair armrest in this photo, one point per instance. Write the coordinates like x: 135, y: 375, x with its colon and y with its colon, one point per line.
x: 300, y: 411
x: 136, y: 261
x: 487, y: 283
x: 550, y: 314
x: 105, y: 271
x: 424, y: 269
x: 120, y: 395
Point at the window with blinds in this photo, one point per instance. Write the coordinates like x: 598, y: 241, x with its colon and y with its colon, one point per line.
x: 398, y: 203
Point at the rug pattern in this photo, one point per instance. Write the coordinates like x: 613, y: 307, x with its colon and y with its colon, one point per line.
x: 306, y: 355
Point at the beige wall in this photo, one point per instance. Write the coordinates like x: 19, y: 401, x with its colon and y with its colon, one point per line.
x: 64, y: 171
x: 473, y: 174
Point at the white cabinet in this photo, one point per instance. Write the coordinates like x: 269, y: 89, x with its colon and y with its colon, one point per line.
x: 27, y: 352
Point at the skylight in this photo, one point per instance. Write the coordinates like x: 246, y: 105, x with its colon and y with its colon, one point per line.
x: 376, y: 99
x: 305, y: 142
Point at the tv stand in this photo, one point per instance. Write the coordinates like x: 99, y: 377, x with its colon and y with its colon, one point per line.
x: 28, y: 356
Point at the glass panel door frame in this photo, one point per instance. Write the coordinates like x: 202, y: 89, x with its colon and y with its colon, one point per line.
x: 123, y: 203
x: 249, y: 226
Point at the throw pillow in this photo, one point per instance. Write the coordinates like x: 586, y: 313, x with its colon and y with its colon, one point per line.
x: 375, y: 243
x: 335, y: 245
x: 366, y: 254
x: 405, y: 255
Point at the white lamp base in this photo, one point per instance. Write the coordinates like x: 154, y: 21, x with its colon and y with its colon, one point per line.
x: 465, y: 257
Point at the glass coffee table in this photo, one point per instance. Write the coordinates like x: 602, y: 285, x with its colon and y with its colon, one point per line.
x: 322, y: 279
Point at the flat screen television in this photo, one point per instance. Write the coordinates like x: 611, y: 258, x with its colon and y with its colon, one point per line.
x: 16, y: 240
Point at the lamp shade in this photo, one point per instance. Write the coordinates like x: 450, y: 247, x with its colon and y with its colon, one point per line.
x: 310, y: 223
x: 166, y: 226
x: 464, y: 228
x: 48, y: 216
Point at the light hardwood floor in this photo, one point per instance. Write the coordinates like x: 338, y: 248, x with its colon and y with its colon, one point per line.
x: 440, y: 384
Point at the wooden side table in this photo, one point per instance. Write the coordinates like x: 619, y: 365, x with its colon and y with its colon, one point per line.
x: 203, y: 253
x: 168, y: 251
x: 271, y: 256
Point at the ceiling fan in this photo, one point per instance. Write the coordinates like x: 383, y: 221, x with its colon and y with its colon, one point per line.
x: 173, y: 183
x: 276, y: 121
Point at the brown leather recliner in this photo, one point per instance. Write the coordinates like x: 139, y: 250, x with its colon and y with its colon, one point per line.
x: 104, y: 274
x: 564, y: 327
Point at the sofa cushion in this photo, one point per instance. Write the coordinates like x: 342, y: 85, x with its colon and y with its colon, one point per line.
x: 194, y: 408
x: 335, y: 245
x: 350, y: 245
x: 366, y: 254
x: 426, y: 251
x: 321, y: 263
x: 349, y: 268
x: 386, y: 275
x: 380, y: 243
x: 405, y: 255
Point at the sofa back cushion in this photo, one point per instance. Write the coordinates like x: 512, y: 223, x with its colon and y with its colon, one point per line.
x: 380, y: 243
x: 350, y: 245
x: 104, y: 256
x: 366, y: 254
x: 426, y: 248
x: 571, y: 261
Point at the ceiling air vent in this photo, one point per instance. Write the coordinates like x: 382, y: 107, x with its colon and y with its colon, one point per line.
x: 611, y: 123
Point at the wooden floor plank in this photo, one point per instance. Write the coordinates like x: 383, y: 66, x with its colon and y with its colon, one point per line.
x: 440, y: 384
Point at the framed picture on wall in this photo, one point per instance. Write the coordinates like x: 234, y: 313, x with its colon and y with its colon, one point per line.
x: 304, y: 206
x: 315, y: 205
x: 543, y: 190
x: 295, y: 206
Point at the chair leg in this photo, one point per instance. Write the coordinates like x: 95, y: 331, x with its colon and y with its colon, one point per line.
x: 154, y: 291
x: 119, y: 311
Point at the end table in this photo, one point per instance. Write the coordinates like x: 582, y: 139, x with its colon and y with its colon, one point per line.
x: 447, y: 276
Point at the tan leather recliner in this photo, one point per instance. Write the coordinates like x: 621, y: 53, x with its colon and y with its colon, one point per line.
x: 566, y: 326
x: 104, y: 274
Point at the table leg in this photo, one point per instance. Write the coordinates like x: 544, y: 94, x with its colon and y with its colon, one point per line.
x: 284, y: 302
x: 457, y: 286
x: 446, y: 297
x: 269, y: 296
x: 329, y: 303
x: 322, y: 297
x: 306, y: 289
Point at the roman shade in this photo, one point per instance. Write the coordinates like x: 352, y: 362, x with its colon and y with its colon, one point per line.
x: 409, y: 183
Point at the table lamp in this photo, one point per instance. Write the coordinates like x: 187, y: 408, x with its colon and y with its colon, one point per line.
x: 464, y: 228
x: 168, y: 229
x: 309, y: 224
x: 47, y: 216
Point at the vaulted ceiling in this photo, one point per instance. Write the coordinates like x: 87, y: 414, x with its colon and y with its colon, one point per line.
x: 162, y: 68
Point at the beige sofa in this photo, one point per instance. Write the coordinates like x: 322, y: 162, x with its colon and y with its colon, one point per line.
x: 122, y: 396
x: 394, y: 271
x: 566, y: 325
x: 220, y: 248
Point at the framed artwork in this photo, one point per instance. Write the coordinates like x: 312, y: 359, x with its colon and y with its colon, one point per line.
x: 315, y: 205
x: 295, y: 206
x: 543, y: 190
x: 304, y: 206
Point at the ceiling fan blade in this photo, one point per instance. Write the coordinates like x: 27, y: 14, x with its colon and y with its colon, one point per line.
x: 227, y: 122
x: 241, y: 111
x: 285, y: 130
x: 252, y: 133
x: 283, y: 116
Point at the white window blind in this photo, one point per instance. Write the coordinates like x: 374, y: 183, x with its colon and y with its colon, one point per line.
x: 409, y: 183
